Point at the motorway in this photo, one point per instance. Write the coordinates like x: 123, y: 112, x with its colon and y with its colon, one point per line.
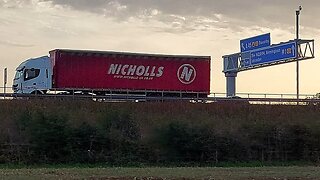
x: 141, y: 98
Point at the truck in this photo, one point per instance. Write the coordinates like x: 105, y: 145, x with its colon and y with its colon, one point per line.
x: 108, y: 72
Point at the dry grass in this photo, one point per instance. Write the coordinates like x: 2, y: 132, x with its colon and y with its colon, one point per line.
x: 264, y: 173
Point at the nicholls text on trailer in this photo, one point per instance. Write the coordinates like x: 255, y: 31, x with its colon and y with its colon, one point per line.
x: 104, y: 72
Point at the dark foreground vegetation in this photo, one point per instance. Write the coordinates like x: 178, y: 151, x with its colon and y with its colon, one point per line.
x: 175, y: 133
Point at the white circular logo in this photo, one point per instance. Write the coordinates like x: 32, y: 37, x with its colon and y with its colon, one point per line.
x: 186, y: 73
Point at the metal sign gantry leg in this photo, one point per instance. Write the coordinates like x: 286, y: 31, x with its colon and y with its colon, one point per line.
x: 231, y: 69
x: 231, y: 83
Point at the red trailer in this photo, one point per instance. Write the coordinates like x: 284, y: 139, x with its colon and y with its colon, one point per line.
x: 109, y: 72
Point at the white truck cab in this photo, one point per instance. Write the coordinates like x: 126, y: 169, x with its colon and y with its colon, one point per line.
x: 33, y: 76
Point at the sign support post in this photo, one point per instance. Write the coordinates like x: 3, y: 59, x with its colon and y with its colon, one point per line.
x: 231, y: 65
x: 231, y: 83
x: 5, y: 81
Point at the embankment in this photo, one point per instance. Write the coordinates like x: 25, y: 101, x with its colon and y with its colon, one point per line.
x: 60, y: 131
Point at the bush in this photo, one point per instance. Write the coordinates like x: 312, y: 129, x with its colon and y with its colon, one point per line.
x: 184, y: 143
x: 119, y: 136
x: 82, y: 144
x: 49, y: 135
x: 156, y: 133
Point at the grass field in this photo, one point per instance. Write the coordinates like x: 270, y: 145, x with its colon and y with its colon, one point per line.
x: 257, y: 173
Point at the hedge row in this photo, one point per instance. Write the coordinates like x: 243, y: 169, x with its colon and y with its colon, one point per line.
x: 157, y: 133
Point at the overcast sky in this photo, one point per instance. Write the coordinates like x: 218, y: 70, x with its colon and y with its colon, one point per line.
x: 30, y: 28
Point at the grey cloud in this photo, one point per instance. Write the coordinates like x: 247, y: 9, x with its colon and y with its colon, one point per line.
x: 90, y: 5
x: 13, y: 3
x: 247, y: 10
x: 265, y: 13
x: 15, y: 44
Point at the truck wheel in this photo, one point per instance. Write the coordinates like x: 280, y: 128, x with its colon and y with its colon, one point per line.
x: 38, y: 92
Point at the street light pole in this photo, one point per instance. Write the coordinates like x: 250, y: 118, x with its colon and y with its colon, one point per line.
x: 297, y: 58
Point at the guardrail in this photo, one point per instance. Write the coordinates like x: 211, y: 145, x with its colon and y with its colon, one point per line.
x: 265, y: 95
x: 5, y: 92
x: 139, y: 98
x: 253, y: 98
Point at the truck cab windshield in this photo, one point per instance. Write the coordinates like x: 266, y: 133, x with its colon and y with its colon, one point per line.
x: 18, y: 75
